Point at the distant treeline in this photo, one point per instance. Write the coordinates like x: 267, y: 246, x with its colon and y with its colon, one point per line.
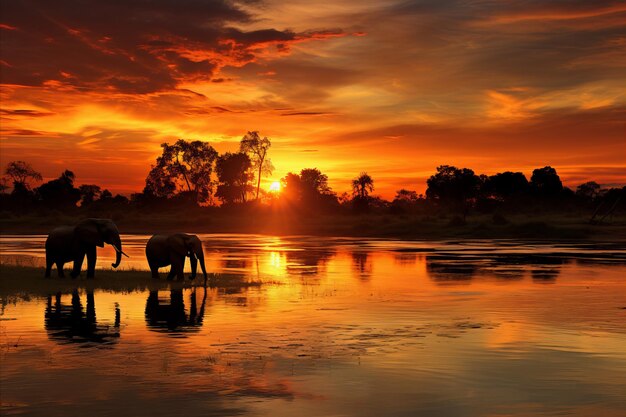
x: 194, y: 174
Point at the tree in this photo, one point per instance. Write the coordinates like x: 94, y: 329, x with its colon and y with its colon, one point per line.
x: 454, y: 187
x: 19, y: 172
x: 89, y: 193
x: 309, y: 190
x: 404, y: 201
x: 291, y: 186
x: 506, y: 184
x: 183, y: 167
x: 589, y: 190
x: 545, y: 182
x: 60, y: 193
x: 406, y: 196
x: 314, y: 181
x: 257, y: 148
x: 233, y: 173
x: 362, y: 186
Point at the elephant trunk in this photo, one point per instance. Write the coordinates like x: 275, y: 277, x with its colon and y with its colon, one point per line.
x: 117, y: 244
x: 201, y: 259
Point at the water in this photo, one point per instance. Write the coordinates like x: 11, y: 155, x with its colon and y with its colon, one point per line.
x: 339, y: 327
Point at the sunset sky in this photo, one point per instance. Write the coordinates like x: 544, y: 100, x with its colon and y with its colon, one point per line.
x: 394, y: 88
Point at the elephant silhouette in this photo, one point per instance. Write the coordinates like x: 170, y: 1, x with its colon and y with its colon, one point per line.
x: 73, y: 243
x: 73, y: 324
x: 171, y: 317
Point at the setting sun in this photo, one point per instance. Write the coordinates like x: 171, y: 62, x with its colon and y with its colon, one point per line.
x: 275, y: 187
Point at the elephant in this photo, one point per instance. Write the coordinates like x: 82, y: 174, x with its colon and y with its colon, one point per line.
x: 170, y: 317
x: 172, y: 249
x: 72, y: 243
x: 72, y: 323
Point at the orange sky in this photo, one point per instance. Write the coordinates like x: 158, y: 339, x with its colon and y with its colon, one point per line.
x: 393, y: 88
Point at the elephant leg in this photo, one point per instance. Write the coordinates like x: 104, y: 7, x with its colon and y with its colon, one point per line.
x: 49, y: 263
x: 78, y: 264
x: 154, y: 269
x: 178, y: 264
x: 91, y: 262
x: 60, y: 269
x: 194, y: 266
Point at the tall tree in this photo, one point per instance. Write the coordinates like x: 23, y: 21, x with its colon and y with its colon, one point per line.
x: 185, y: 166
x: 20, y: 172
x: 234, y: 176
x: 362, y: 186
x: 60, y: 193
x: 506, y: 184
x: 312, y: 179
x: 454, y: 187
x: 89, y: 193
x: 546, y: 182
x: 257, y: 149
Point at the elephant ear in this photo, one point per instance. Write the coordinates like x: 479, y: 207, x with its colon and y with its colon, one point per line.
x: 195, y: 245
x: 89, y: 232
x: 178, y: 244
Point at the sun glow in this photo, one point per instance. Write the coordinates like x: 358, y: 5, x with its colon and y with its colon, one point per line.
x: 275, y: 187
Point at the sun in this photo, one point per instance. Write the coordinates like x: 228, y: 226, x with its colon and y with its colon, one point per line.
x: 275, y: 187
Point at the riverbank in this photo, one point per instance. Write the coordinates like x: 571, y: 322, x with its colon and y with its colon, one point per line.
x: 24, y: 281
x: 545, y: 227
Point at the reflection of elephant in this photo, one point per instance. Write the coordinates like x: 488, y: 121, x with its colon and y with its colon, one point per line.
x: 164, y: 250
x: 72, y: 243
x: 171, y: 317
x: 70, y: 323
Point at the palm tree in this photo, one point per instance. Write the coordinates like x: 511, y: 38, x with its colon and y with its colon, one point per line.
x: 362, y: 185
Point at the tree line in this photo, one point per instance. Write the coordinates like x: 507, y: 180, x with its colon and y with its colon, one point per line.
x: 193, y: 173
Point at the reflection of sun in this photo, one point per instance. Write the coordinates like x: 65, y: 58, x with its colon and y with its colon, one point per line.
x: 275, y: 186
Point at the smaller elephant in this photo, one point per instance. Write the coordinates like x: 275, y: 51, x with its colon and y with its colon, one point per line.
x: 72, y: 243
x: 164, y: 250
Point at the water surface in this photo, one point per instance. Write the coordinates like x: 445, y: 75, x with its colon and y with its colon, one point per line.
x: 339, y: 327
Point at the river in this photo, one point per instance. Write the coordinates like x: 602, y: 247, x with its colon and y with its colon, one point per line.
x: 338, y: 327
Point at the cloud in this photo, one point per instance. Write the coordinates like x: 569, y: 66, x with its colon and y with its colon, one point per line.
x: 133, y: 46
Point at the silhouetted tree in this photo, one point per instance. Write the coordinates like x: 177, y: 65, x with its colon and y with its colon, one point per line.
x: 309, y: 190
x: 314, y: 181
x: 234, y: 176
x: 545, y: 182
x: 589, y: 190
x: 3, y: 186
x: 89, y: 193
x: 362, y: 186
x: 59, y: 193
x: 257, y: 148
x: 406, y: 195
x: 506, y: 184
x: 405, y: 200
x: 454, y: 187
x: 183, y: 166
x: 19, y: 172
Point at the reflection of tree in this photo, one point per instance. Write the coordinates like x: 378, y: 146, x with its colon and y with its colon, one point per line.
x: 307, y: 261
x: 362, y: 265
x: 405, y: 258
x: 71, y: 323
x: 172, y: 317
x: 233, y: 259
x: 454, y: 268
x: 444, y: 269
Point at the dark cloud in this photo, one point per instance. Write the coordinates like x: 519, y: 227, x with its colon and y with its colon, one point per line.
x: 135, y: 46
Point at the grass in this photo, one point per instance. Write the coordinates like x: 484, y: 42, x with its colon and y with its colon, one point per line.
x: 24, y: 282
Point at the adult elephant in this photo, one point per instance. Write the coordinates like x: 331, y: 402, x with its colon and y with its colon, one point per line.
x: 164, y: 250
x: 72, y: 243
